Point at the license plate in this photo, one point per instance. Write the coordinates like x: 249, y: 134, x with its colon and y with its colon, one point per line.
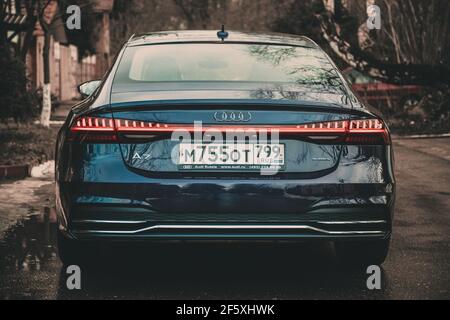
x: 199, y: 156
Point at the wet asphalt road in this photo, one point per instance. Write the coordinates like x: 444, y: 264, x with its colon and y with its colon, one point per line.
x: 418, y: 266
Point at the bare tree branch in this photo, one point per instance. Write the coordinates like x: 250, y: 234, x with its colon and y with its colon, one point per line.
x: 398, y: 73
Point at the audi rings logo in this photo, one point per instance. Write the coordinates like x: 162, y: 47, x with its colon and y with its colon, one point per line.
x: 232, y: 116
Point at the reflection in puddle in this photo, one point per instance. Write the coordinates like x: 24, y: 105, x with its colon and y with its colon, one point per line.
x: 30, y: 245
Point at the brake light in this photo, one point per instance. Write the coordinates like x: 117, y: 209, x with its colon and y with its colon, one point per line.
x: 94, y: 130
x: 367, y: 131
x: 362, y: 131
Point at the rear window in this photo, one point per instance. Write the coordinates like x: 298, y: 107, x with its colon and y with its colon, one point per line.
x: 196, y: 62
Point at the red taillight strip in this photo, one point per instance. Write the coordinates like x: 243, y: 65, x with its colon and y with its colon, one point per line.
x: 93, y: 124
x: 366, y: 126
x: 96, y: 124
x: 121, y: 125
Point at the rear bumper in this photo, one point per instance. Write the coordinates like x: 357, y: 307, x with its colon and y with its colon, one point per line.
x: 331, y: 224
x: 228, y: 232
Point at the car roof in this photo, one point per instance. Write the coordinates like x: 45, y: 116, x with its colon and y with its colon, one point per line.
x: 192, y: 36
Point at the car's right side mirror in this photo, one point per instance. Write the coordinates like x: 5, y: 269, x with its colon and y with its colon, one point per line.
x: 88, y: 88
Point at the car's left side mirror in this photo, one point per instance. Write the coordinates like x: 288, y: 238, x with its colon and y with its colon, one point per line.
x: 88, y: 88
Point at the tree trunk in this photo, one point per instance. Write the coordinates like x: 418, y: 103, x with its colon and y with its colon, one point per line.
x: 3, y: 36
x: 46, y: 92
x: 102, y: 46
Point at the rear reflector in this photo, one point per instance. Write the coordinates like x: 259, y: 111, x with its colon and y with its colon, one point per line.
x: 363, y: 131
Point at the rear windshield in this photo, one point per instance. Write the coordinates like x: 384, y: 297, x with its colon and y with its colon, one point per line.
x: 196, y: 62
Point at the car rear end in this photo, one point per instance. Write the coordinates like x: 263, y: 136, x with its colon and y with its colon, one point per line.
x: 189, y: 160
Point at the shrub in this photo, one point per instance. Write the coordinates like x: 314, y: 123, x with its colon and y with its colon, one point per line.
x: 432, y: 115
x: 16, y: 101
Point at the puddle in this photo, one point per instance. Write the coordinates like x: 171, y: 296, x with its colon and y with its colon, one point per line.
x: 30, y: 244
x: 19, y: 199
x: 29, y: 265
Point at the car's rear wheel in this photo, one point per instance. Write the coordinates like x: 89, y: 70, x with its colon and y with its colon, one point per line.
x: 72, y: 252
x: 362, y: 253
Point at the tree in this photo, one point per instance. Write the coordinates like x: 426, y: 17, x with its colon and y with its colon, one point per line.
x: 196, y: 12
x: 15, y: 100
x: 84, y: 38
x: 299, y: 18
x: 416, y: 30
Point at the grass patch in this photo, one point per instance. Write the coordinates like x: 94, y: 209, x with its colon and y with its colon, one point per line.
x: 26, y: 144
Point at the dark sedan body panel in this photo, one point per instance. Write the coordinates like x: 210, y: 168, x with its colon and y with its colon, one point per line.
x: 131, y: 188
x: 358, y: 190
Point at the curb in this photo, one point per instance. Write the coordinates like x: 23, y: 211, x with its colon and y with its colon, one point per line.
x: 56, y: 122
x: 8, y: 172
x: 422, y: 136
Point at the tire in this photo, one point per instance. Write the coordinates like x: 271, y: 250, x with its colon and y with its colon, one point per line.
x: 73, y: 252
x: 362, y: 254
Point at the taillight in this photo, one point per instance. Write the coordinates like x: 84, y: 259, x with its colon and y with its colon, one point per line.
x: 93, y: 130
x: 367, y: 131
x: 362, y: 131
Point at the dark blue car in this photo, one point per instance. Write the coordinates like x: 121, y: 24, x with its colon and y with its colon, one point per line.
x: 195, y: 135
